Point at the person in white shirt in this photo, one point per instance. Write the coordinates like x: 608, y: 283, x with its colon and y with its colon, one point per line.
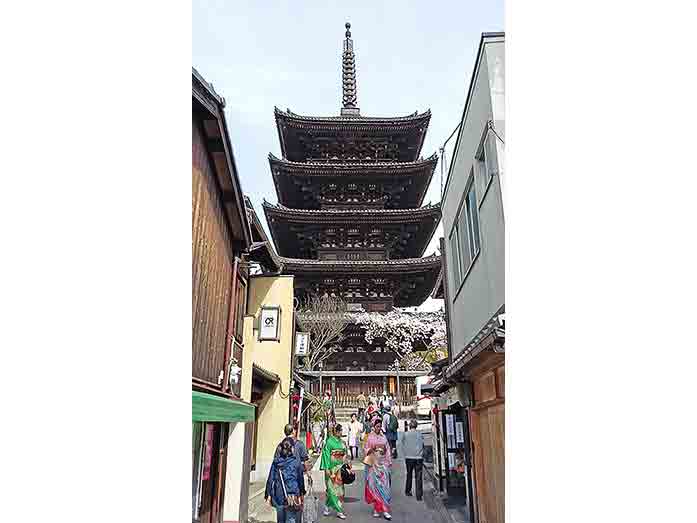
x: 355, y: 429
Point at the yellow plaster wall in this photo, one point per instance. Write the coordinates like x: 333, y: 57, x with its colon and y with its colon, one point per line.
x: 273, y: 356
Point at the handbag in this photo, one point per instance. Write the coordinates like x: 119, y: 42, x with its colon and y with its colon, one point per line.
x: 347, y: 475
x: 311, y: 505
x: 293, y: 502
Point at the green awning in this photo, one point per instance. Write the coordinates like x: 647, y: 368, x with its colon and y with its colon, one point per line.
x: 206, y: 407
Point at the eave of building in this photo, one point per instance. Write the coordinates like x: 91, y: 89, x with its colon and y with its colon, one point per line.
x: 395, y: 270
x: 331, y: 216
x: 405, y: 265
x: 261, y: 250
x: 371, y: 373
x: 278, y: 216
x: 209, y: 105
x: 421, y: 167
x: 350, y: 124
x: 283, y: 171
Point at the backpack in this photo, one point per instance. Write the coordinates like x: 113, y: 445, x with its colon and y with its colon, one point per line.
x: 393, y: 425
x: 293, y: 501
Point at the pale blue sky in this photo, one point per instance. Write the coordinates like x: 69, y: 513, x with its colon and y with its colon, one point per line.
x: 410, y: 56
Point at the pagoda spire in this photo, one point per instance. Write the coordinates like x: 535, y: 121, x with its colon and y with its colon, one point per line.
x: 348, y: 77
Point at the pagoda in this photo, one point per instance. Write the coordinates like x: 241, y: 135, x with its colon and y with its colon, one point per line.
x: 350, y: 219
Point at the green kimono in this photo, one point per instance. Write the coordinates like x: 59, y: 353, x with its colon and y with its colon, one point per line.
x: 332, y: 459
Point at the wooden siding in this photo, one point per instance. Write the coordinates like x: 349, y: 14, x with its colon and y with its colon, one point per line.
x: 212, y: 265
x: 487, y: 430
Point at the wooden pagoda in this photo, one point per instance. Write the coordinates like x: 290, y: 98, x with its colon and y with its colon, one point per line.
x: 350, y: 220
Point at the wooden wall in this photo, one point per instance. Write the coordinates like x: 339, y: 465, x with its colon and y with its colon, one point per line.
x: 487, y: 430
x: 212, y: 264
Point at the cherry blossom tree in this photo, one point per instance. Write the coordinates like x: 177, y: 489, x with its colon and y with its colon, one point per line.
x: 324, y: 318
x: 416, y: 337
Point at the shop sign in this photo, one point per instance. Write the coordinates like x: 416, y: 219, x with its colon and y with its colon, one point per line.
x: 302, y: 343
x: 269, y: 323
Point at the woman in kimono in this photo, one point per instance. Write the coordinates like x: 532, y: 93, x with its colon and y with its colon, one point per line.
x: 378, y: 464
x: 333, y: 457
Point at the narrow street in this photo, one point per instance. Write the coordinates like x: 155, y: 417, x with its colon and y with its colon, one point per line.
x: 404, y: 508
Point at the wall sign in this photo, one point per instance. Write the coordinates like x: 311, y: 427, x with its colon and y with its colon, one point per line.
x: 302, y: 343
x: 460, y: 431
x: 270, y: 323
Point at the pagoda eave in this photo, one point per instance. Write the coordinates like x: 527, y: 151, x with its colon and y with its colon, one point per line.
x: 412, y: 279
x: 340, y: 122
x: 374, y: 216
x: 403, y: 233
x: 298, y: 133
x: 299, y: 184
x: 330, y: 168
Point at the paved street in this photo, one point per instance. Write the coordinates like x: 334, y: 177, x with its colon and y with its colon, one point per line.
x: 403, y: 508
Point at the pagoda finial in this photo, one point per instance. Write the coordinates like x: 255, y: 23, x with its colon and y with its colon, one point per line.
x: 348, y: 77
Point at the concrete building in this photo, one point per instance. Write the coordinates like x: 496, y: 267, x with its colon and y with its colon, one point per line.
x: 471, y: 404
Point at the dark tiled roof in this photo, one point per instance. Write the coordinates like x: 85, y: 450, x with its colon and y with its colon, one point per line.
x: 429, y: 262
x: 376, y: 216
x: 363, y: 168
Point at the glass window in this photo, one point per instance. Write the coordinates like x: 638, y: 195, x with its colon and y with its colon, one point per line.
x: 465, y: 250
x: 473, y: 222
x: 455, y: 259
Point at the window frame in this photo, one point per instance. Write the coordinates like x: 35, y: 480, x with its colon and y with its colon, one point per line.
x: 457, y: 263
x: 463, y: 207
x: 482, y: 166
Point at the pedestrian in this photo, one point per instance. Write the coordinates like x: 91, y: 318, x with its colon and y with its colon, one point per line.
x: 317, y: 430
x: 386, y: 401
x: 333, y: 458
x: 390, y: 425
x: 412, y: 448
x: 378, y: 464
x: 299, y: 450
x: 285, y: 485
x: 362, y: 404
x: 355, y: 429
x: 370, y: 410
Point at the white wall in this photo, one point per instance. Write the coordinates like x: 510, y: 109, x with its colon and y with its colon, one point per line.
x: 483, y: 291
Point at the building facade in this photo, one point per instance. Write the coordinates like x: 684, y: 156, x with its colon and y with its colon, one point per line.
x: 350, y: 222
x: 220, y: 239
x: 472, y: 385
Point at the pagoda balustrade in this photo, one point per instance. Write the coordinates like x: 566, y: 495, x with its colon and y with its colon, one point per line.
x: 346, y: 389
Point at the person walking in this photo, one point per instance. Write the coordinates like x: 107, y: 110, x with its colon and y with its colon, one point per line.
x: 412, y: 448
x: 390, y: 425
x: 370, y: 411
x: 362, y: 404
x: 317, y: 430
x: 355, y: 429
x: 378, y: 465
x: 285, y: 485
x: 299, y: 450
x: 333, y: 458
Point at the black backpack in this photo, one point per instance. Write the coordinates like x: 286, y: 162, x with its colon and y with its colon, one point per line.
x: 393, y: 426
